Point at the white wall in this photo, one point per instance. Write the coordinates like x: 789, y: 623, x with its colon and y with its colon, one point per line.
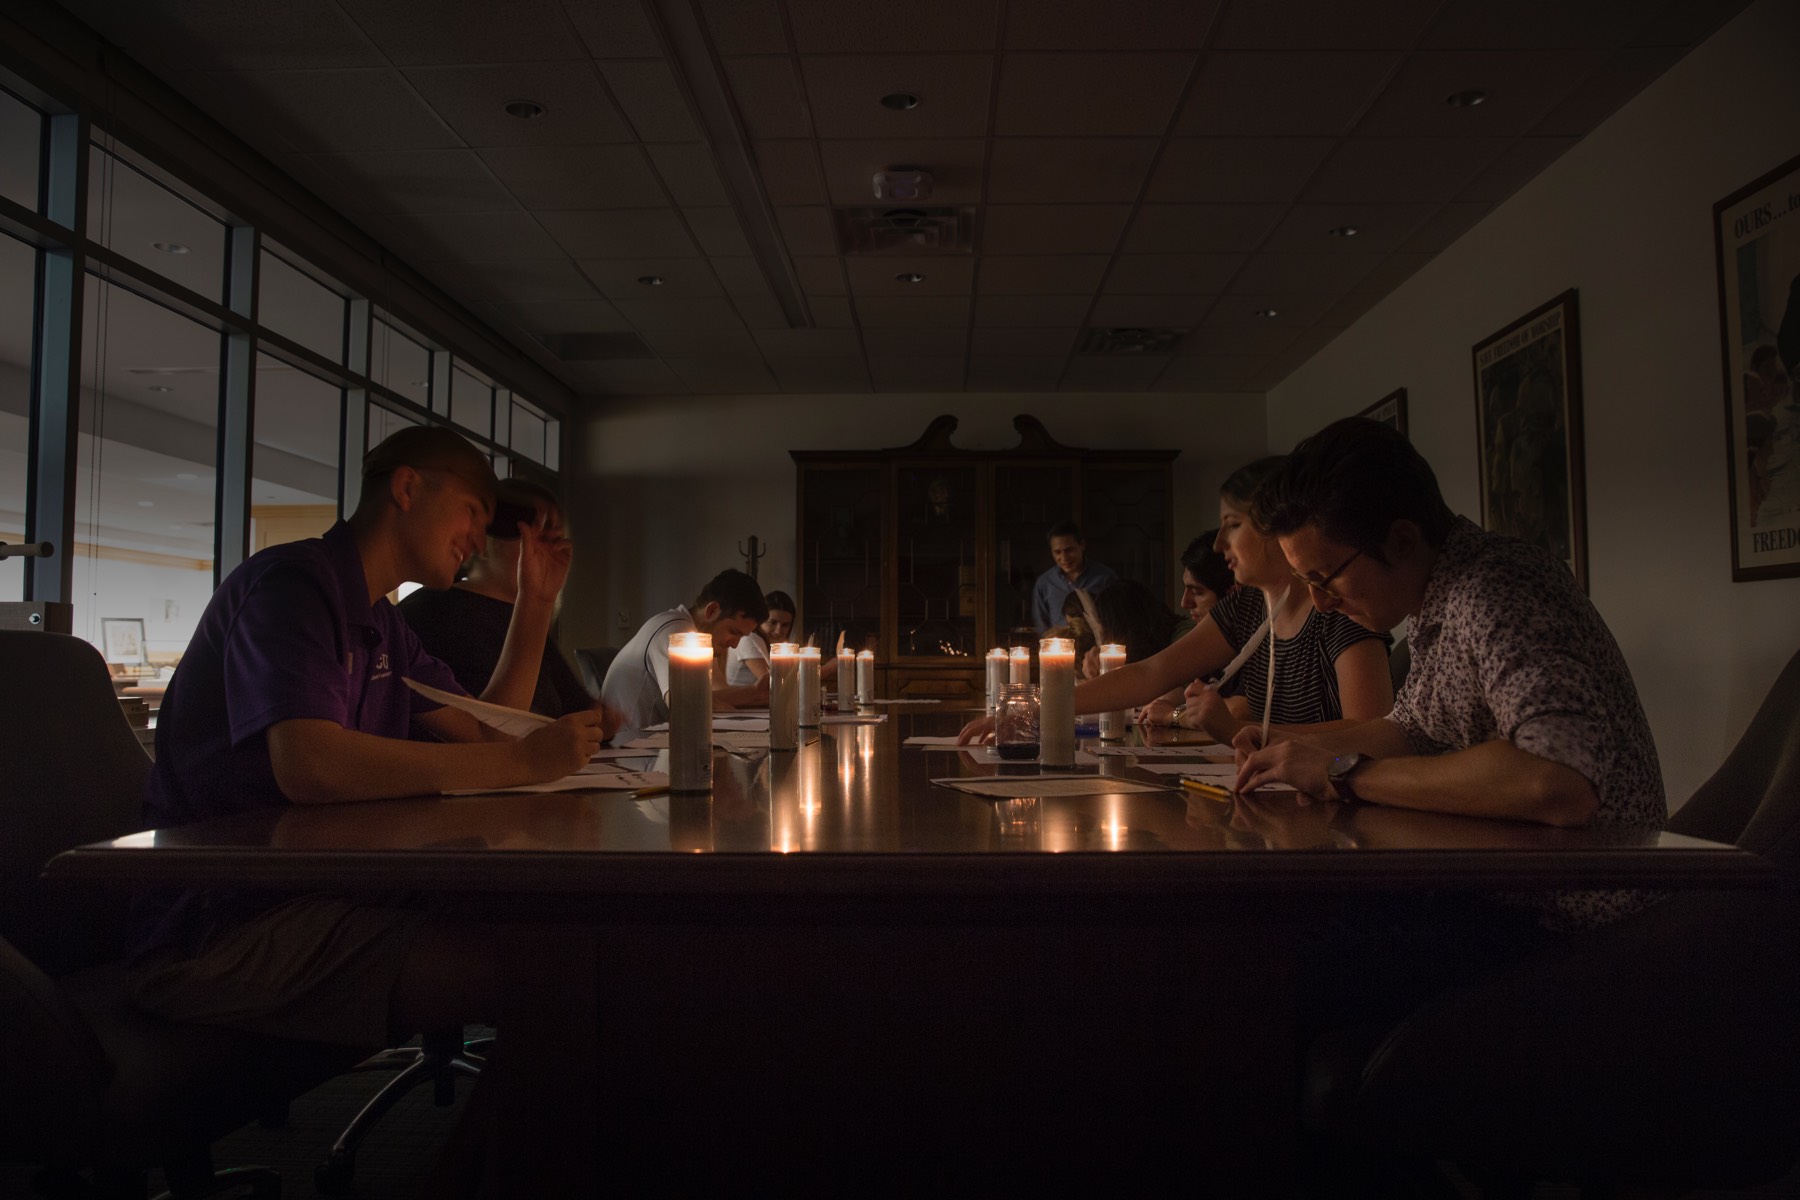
x: 1626, y: 217
x: 670, y: 486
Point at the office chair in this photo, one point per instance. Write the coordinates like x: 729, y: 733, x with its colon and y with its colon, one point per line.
x: 92, y: 1084
x: 439, y: 1059
x: 593, y: 662
x: 1659, y: 1052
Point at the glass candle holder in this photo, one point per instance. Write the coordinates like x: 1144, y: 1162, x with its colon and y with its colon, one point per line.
x: 1016, y: 722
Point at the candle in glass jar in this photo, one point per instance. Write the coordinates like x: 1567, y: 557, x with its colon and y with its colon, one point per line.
x: 1056, y: 702
x: 996, y: 675
x: 809, y: 687
x: 1113, y: 725
x: 690, y: 712
x: 865, y: 677
x: 1020, y: 669
x: 846, y: 680
x: 784, y: 696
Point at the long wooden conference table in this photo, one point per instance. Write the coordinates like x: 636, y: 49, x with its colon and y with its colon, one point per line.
x: 831, y: 975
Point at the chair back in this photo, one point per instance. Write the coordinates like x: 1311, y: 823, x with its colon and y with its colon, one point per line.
x: 74, y: 774
x: 594, y: 661
x: 1753, y: 799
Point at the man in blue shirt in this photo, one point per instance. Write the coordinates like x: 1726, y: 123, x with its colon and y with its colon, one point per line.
x: 1072, y: 570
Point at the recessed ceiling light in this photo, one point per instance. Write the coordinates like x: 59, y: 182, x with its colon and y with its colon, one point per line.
x: 146, y: 504
x: 900, y: 101
x: 161, y: 387
x: 1468, y: 99
x: 910, y: 277
x: 525, y: 110
x: 1345, y: 231
x: 169, y: 247
x: 1268, y: 312
x: 651, y: 280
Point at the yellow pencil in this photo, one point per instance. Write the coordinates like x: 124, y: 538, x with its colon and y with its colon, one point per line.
x: 651, y: 791
x: 1207, y: 789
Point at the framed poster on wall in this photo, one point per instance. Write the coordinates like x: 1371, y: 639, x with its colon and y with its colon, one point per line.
x: 1756, y: 235
x: 1389, y: 410
x: 1528, y: 427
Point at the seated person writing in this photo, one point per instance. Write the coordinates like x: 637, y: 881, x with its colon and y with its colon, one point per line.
x: 747, y: 663
x: 1326, y: 666
x: 1205, y: 579
x: 465, y: 626
x: 729, y: 607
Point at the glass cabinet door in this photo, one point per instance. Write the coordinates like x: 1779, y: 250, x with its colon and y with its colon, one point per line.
x: 1028, y: 500
x: 840, y: 556
x: 937, y: 602
x: 1126, y: 510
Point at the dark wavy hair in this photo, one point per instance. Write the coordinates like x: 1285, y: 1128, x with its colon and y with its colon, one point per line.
x: 738, y: 596
x: 1353, y: 479
x: 1240, y: 487
x: 1207, y: 565
x: 1131, y: 614
x: 780, y: 602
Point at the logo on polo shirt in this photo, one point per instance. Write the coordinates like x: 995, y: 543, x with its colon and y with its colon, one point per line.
x: 382, y: 670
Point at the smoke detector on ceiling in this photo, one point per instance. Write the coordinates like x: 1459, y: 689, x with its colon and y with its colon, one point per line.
x: 902, y: 183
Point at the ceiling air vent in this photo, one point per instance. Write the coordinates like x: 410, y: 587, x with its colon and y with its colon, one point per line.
x: 594, y: 347
x: 1133, y: 341
x: 917, y: 230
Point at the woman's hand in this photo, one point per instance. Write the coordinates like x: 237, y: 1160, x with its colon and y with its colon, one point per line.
x: 1208, y: 711
x: 977, y: 732
x: 1158, y: 712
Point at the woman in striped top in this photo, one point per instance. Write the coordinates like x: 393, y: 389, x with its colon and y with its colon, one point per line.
x: 1327, y: 667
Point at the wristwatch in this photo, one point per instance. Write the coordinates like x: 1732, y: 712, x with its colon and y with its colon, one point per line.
x: 1340, y: 769
x: 1175, y: 714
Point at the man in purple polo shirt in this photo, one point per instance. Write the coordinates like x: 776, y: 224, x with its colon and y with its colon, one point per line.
x: 293, y: 691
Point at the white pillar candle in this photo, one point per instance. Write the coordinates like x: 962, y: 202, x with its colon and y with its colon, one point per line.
x: 1113, y: 725
x: 690, y: 712
x: 1020, y: 669
x: 1056, y: 711
x: 809, y: 687
x: 865, y: 677
x: 846, y: 680
x: 996, y: 676
x: 784, y: 696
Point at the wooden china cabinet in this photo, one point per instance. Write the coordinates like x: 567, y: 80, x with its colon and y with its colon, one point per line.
x: 932, y: 550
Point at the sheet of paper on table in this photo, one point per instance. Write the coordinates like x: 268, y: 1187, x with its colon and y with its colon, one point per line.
x: 619, y: 752
x: 725, y: 721
x: 852, y: 718
x: 988, y: 754
x: 1012, y: 787
x: 923, y: 740
x: 905, y: 700
x: 736, y: 742
x: 1208, y: 772
x: 608, y: 781
x: 1196, y: 750
x: 514, y: 721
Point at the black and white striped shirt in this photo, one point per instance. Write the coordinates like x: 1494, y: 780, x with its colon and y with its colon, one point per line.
x: 1306, y: 683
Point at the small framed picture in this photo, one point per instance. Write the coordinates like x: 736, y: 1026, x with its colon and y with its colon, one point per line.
x: 1528, y: 426
x: 1389, y: 410
x: 122, y: 641
x: 1756, y: 235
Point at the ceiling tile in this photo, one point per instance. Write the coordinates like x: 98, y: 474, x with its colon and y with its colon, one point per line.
x: 1115, y: 25
x: 1053, y: 344
x: 929, y: 312
x: 568, y: 316
x: 617, y: 278
x: 1233, y: 169
x: 1069, y: 170
x: 745, y: 26
x: 689, y: 172
x: 1603, y: 93
x: 769, y: 97
x: 1517, y: 165
x: 945, y: 275
x: 621, y: 233
x: 418, y: 32
x: 889, y: 26
x: 845, y: 374
x: 1444, y: 227
x: 1393, y: 271
x: 807, y: 231
x: 697, y: 312
x: 790, y: 172
x: 482, y: 237
x: 1111, y: 373
x: 762, y: 312
x: 917, y: 374
x: 1200, y: 228
x: 1245, y: 93
x: 741, y: 276
x: 1244, y: 311
x: 898, y: 343
x: 1032, y: 312
x: 1305, y: 274
x: 418, y: 181
x: 713, y: 375
x: 1175, y: 312
x: 302, y: 35
x: 1211, y: 340
x: 1347, y: 311
x: 472, y: 101
x: 1052, y: 228
x: 1172, y: 274
x: 1533, y: 24
x: 1323, y: 25
x: 1014, y: 373
x: 652, y: 100
x: 1401, y: 170
x: 1118, y: 93
x: 614, y: 28
x: 846, y: 90
x: 809, y: 343
x: 577, y: 177
x: 1209, y: 372
x: 718, y: 231
x: 344, y: 110
x: 1522, y: 86
x: 955, y: 165
x: 1683, y: 22
x: 831, y: 312
x: 637, y: 377
x: 1024, y: 274
x: 527, y: 282
x: 821, y: 276
x: 1379, y: 227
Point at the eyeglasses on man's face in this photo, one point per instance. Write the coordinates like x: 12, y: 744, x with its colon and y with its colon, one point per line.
x: 1323, y: 586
